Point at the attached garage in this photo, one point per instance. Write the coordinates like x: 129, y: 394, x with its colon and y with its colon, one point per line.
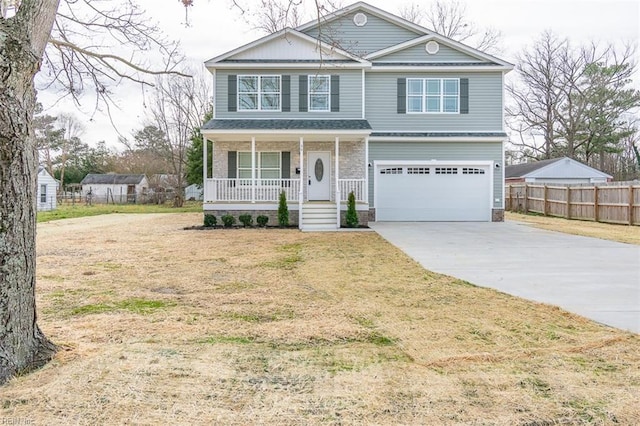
x: 433, y: 191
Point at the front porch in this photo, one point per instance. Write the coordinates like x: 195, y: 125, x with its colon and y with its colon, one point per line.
x: 317, y: 172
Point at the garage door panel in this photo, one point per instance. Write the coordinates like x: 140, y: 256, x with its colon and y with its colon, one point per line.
x: 448, y: 195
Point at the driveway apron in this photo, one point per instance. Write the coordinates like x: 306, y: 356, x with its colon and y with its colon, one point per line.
x: 595, y: 278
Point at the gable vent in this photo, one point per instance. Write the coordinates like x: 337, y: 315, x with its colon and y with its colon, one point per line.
x: 432, y: 47
x: 360, y: 19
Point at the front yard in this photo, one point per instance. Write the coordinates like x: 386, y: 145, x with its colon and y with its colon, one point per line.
x: 161, y: 325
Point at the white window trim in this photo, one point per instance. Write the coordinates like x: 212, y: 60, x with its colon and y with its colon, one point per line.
x: 309, y: 109
x: 424, y: 96
x: 43, y: 193
x: 258, y: 164
x: 259, y: 93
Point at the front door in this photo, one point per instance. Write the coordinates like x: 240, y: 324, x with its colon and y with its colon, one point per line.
x: 319, y: 171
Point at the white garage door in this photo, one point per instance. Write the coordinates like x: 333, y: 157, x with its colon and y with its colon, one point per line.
x: 434, y: 192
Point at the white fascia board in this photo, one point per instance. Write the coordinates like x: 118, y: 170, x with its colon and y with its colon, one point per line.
x: 289, y: 65
x: 214, y: 62
x: 426, y: 67
x: 326, y: 19
x: 451, y: 139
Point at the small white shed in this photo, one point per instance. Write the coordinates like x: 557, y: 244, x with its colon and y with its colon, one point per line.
x: 114, y: 188
x: 193, y: 192
x: 46, y: 191
x: 562, y: 170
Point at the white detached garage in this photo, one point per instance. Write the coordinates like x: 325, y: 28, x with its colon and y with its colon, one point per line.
x: 433, y: 190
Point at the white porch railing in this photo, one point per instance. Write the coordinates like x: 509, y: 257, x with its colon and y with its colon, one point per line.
x: 242, y: 190
x: 355, y: 185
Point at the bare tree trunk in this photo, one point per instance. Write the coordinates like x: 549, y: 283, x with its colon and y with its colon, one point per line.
x: 23, y: 347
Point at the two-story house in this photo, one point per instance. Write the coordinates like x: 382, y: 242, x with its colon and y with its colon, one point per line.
x: 358, y: 101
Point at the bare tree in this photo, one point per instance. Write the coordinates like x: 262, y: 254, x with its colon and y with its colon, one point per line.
x: 449, y: 18
x: 533, y: 109
x: 272, y: 16
x: 572, y: 101
x: 73, y: 130
x: 177, y: 109
x: 77, y: 56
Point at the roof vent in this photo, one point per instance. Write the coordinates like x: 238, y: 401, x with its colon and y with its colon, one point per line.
x: 360, y: 19
x: 432, y: 47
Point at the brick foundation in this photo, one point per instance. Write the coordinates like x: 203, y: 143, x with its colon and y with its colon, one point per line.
x: 497, y: 215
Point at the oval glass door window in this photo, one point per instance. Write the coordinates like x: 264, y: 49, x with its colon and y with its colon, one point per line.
x: 319, y: 169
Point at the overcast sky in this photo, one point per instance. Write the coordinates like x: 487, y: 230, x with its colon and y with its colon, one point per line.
x: 216, y: 27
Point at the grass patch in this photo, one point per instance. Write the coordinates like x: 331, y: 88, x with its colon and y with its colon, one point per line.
x: 136, y: 306
x: 606, y: 231
x: 355, y: 333
x: 235, y: 340
x: 66, y: 211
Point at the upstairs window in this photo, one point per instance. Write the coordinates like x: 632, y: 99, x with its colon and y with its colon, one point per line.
x: 259, y: 92
x: 433, y: 95
x: 319, y: 92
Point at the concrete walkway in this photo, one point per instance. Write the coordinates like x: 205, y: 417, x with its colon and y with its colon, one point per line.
x: 594, y: 278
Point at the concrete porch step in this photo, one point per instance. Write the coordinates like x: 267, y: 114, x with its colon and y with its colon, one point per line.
x: 319, y: 217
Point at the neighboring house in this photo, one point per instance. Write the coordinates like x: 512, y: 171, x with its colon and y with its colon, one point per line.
x: 114, y: 188
x: 46, y: 191
x: 193, y: 192
x: 556, y: 170
x: 410, y: 121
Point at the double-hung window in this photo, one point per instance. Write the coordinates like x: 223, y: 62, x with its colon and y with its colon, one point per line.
x: 433, y: 95
x: 267, y: 165
x: 319, y: 93
x: 259, y: 92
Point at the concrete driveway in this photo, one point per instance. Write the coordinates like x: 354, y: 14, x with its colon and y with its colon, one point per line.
x: 594, y: 278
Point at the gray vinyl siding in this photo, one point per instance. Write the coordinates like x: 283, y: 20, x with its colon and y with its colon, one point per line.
x: 419, y: 54
x: 350, y: 95
x: 376, y: 35
x: 485, y: 104
x: 443, y: 151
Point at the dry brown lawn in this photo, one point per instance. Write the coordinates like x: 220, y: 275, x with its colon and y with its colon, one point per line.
x: 161, y: 325
x: 606, y: 231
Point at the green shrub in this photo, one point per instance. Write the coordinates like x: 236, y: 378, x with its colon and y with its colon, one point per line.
x: 210, y: 221
x: 262, y: 220
x: 283, y: 210
x: 352, y: 215
x: 246, y: 220
x: 228, y: 220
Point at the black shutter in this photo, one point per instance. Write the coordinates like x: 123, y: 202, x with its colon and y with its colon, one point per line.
x: 232, y: 164
x: 402, y: 96
x: 302, y: 102
x: 335, y: 93
x: 286, y: 93
x: 464, y: 96
x: 232, y: 95
x: 285, y: 166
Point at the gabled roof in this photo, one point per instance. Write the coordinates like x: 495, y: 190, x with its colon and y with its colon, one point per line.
x: 539, y: 168
x: 485, y: 57
x: 419, y: 30
x: 111, y: 179
x: 330, y: 53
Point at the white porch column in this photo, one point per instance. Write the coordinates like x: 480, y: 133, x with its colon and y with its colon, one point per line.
x: 337, y: 183
x: 253, y: 169
x: 205, y: 172
x: 302, y: 182
x: 366, y: 169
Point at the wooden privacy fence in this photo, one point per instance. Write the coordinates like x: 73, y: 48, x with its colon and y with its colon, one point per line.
x: 611, y: 204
